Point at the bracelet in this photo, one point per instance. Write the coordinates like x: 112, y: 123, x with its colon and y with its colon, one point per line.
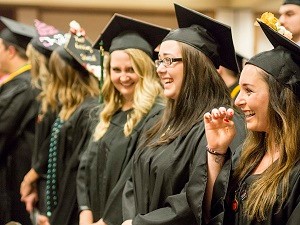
x: 208, y: 149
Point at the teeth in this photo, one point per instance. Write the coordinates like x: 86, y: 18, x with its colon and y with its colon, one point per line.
x: 248, y: 114
x: 169, y: 81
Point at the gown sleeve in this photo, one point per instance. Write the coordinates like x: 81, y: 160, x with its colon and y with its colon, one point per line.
x: 82, y: 182
x: 18, y: 108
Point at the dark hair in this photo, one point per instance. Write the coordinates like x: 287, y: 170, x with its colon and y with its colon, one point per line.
x: 21, y: 52
x: 202, y: 89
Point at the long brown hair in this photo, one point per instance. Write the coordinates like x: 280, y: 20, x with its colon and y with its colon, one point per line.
x: 202, y: 89
x: 68, y: 87
x: 284, y: 134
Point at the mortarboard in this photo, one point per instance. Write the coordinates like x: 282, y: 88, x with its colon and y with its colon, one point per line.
x: 241, y: 60
x: 123, y: 32
x: 282, y: 62
x: 48, y: 38
x: 294, y: 2
x: 17, y: 33
x: 207, y: 35
x: 79, y: 53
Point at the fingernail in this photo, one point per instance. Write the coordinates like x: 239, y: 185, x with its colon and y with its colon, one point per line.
x: 226, y: 120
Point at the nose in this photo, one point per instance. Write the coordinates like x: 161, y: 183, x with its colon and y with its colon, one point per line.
x: 239, y: 101
x: 282, y: 19
x: 160, y: 69
x: 124, y: 77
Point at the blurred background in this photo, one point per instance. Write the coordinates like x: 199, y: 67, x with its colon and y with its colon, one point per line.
x: 93, y: 15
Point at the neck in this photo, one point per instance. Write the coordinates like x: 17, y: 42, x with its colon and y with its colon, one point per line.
x: 127, y: 104
x: 16, y: 64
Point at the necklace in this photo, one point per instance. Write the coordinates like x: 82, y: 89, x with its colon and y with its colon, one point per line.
x: 51, y: 187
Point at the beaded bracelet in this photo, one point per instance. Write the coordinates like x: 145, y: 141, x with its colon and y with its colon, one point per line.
x: 208, y: 149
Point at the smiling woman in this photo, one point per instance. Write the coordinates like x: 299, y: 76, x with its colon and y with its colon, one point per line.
x: 132, y: 97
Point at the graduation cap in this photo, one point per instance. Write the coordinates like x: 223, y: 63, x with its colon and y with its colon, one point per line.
x: 79, y: 53
x: 207, y: 35
x: 294, y: 2
x: 123, y: 32
x: 282, y: 62
x: 48, y: 38
x: 17, y: 33
x: 241, y: 60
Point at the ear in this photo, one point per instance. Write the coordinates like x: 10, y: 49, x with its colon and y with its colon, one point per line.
x: 220, y: 70
x: 12, y: 51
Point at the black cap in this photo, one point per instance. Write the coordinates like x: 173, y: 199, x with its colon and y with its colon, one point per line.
x: 48, y: 39
x: 207, y: 35
x: 123, y: 32
x: 241, y: 60
x: 294, y: 2
x: 282, y: 62
x: 79, y: 53
x: 17, y: 33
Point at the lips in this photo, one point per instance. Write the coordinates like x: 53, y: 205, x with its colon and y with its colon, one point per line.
x: 126, y: 84
x: 167, y: 81
x: 249, y: 114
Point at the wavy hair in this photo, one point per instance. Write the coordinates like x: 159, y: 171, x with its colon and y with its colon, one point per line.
x: 202, y: 89
x: 68, y: 87
x: 146, y: 92
x: 40, y: 76
x: 284, y: 135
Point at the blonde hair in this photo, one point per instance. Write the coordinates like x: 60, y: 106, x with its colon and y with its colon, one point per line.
x: 284, y: 135
x: 40, y: 75
x: 146, y: 92
x: 68, y: 87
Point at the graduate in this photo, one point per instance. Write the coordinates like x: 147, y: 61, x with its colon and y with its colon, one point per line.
x: 39, y: 51
x: 18, y: 113
x: 265, y: 181
x: 169, y: 171
x: 73, y: 91
x: 132, y: 97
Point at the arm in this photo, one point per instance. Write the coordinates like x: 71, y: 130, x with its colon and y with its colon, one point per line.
x: 28, y: 183
x: 86, y: 215
x: 220, y: 131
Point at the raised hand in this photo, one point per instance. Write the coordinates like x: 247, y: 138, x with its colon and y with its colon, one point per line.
x: 219, y: 129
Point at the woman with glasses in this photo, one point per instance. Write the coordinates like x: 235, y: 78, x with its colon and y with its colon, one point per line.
x: 165, y: 186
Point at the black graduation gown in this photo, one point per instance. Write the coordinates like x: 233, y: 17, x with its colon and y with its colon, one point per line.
x: 103, y: 163
x: 74, y: 135
x: 18, y: 112
x: 168, y: 183
x: 288, y: 214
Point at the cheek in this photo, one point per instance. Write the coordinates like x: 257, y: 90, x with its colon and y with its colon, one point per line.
x: 114, y: 77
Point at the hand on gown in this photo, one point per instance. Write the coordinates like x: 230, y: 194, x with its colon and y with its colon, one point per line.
x: 43, y: 220
x: 127, y: 222
x: 219, y: 129
x: 30, y: 201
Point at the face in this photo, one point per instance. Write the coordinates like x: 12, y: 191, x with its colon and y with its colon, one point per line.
x: 4, y: 55
x: 122, y: 74
x: 290, y: 19
x: 253, y: 98
x: 171, y: 76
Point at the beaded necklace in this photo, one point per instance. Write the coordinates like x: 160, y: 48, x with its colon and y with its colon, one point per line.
x: 51, y: 185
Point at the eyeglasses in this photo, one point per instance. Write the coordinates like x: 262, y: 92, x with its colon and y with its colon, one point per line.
x: 166, y: 61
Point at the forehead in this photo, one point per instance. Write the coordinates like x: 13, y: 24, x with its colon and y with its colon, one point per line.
x: 251, y: 75
x: 169, y: 47
x: 289, y: 8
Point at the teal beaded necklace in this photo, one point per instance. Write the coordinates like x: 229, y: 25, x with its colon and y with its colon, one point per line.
x: 51, y: 186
